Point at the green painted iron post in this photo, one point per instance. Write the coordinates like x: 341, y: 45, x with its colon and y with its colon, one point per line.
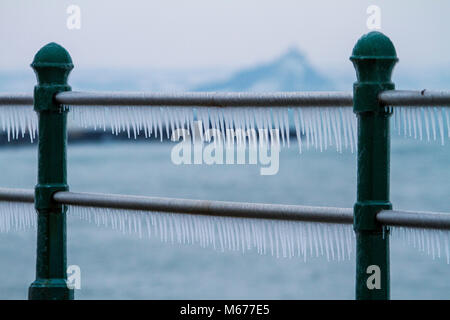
x: 52, y: 65
x: 374, y: 58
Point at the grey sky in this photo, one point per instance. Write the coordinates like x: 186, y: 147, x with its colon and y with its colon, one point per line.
x: 219, y: 33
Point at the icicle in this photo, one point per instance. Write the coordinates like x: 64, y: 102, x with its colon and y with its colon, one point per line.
x: 279, y: 238
x: 325, y: 126
x: 297, y: 128
x: 278, y: 124
x: 440, y: 119
x: 412, y: 120
x: 18, y: 120
x: 433, y: 242
x: 321, y: 126
x: 16, y: 216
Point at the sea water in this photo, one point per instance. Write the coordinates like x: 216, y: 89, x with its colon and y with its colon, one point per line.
x: 122, y: 266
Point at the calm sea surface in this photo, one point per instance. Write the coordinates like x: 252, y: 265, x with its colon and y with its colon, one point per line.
x: 117, y: 266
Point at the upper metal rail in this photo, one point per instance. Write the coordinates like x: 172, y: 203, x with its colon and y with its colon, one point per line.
x: 234, y: 99
x: 17, y: 195
x: 208, y: 99
x: 415, y: 98
x: 16, y: 99
x: 429, y: 220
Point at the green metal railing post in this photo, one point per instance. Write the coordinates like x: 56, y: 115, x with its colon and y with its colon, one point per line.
x: 52, y: 65
x: 374, y: 58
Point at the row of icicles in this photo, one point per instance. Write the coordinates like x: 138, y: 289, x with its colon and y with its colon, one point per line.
x: 282, y: 239
x: 316, y: 127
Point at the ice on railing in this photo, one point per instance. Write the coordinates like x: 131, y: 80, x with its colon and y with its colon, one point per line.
x: 16, y: 216
x: 433, y: 242
x: 273, y: 237
x: 286, y: 239
x: 316, y: 127
x: 324, y: 127
x: 17, y: 121
x: 422, y: 122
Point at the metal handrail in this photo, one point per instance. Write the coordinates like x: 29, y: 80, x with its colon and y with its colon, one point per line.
x: 208, y: 99
x: 17, y: 195
x: 16, y: 99
x: 189, y: 206
x: 234, y: 99
x: 209, y: 207
x: 415, y: 219
x: 415, y: 98
x: 412, y: 219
